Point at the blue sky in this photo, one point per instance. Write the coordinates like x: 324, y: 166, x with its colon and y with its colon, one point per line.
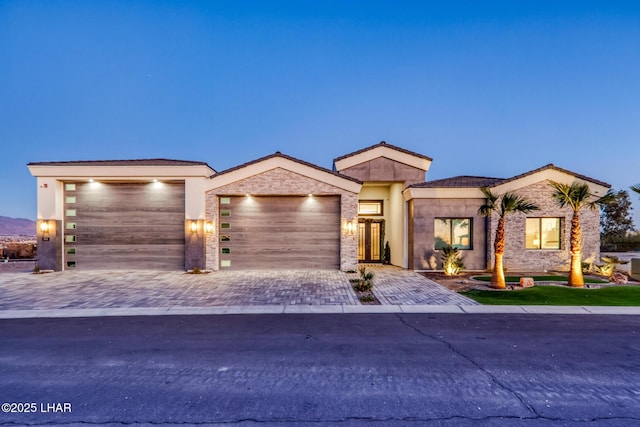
x: 492, y: 88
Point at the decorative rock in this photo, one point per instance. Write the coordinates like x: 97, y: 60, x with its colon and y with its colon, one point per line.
x: 526, y: 282
x: 618, y: 278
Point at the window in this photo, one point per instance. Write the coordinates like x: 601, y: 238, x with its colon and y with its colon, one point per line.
x: 70, y: 187
x: 225, y: 238
x: 543, y: 233
x: 70, y: 212
x: 225, y: 263
x: 70, y: 199
x: 225, y: 212
x: 456, y: 232
x: 225, y: 200
x: 370, y: 207
x: 225, y: 225
x: 71, y: 251
x: 226, y: 250
x: 69, y: 239
x: 70, y: 225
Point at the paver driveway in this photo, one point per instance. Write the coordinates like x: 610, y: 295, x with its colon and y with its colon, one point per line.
x: 109, y: 289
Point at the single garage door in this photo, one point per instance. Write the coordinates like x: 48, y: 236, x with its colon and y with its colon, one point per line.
x: 124, y: 225
x: 279, y: 232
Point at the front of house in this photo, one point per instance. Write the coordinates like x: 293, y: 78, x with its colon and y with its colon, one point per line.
x: 279, y: 212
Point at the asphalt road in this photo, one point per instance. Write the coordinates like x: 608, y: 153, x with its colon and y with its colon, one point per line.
x: 421, y: 369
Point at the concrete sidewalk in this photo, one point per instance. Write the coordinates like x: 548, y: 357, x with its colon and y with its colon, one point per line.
x: 318, y: 309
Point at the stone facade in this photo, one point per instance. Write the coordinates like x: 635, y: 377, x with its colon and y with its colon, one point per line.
x: 518, y: 258
x: 282, y: 182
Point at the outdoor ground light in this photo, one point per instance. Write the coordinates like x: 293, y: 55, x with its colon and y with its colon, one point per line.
x: 208, y: 227
x: 194, y: 226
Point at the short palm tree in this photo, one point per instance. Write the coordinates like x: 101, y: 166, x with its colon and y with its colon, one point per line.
x: 577, y: 196
x: 509, y: 203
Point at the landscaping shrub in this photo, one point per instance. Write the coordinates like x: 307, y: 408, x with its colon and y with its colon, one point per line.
x: 451, y: 261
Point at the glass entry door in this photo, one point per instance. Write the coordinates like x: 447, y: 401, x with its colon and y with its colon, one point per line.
x: 369, y: 241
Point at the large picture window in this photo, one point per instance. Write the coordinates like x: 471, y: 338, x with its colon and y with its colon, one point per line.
x: 543, y: 233
x: 454, y: 232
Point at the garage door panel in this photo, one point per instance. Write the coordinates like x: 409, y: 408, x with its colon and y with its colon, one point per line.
x: 125, y: 226
x: 128, y: 236
x: 117, y: 257
x: 282, y: 232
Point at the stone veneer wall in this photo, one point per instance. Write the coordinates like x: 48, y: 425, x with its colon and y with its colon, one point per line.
x: 281, y: 182
x: 518, y: 258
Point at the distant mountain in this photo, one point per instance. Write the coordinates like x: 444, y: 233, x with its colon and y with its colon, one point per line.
x: 17, y: 226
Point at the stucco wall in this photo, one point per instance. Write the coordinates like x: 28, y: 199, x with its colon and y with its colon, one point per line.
x: 280, y: 181
x: 518, y: 258
x: 422, y: 215
x: 383, y: 169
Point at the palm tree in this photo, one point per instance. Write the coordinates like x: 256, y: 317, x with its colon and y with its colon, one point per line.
x: 635, y: 188
x: 577, y: 196
x: 509, y: 203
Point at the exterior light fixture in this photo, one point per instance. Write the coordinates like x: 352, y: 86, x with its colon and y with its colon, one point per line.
x: 350, y: 228
x: 154, y: 180
x: 194, y: 226
x: 91, y: 180
x: 208, y: 227
x: 45, y: 229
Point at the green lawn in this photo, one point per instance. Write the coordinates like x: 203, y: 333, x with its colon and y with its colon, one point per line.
x: 557, y: 295
x: 516, y: 279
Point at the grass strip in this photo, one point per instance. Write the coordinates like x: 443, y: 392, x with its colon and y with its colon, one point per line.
x: 556, y: 295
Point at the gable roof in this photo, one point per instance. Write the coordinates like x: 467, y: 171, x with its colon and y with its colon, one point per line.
x: 551, y: 166
x: 469, y: 186
x: 384, y: 144
x: 382, y: 149
x: 467, y: 181
x: 279, y: 160
x: 284, y: 156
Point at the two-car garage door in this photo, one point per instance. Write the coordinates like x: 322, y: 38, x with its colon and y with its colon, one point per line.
x: 279, y: 232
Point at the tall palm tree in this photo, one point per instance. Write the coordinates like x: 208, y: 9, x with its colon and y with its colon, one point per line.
x: 509, y: 203
x: 635, y: 188
x: 577, y: 196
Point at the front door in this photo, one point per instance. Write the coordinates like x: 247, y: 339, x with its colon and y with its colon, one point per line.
x: 369, y: 241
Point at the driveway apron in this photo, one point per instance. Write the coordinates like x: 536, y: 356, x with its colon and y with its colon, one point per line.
x: 111, y: 289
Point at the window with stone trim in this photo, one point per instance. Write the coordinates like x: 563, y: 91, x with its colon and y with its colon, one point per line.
x: 456, y: 232
x: 543, y: 233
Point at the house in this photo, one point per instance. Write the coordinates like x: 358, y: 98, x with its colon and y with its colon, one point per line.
x: 281, y: 212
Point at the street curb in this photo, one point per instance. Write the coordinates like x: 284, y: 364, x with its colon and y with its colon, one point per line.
x: 318, y: 309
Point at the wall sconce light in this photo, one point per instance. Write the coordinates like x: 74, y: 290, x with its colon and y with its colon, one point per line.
x: 208, y: 227
x: 45, y: 229
x: 194, y: 226
x: 350, y: 228
x: 44, y: 226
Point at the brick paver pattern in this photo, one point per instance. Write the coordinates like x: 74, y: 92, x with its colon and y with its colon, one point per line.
x: 110, y: 289
x: 393, y: 285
